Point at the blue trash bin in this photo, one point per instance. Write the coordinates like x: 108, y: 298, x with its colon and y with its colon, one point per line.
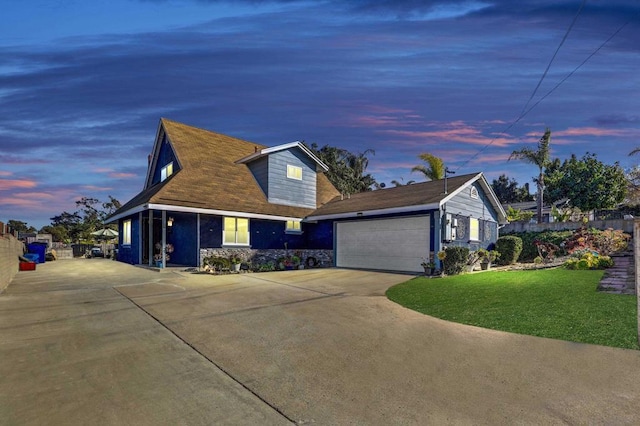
x: 40, y: 249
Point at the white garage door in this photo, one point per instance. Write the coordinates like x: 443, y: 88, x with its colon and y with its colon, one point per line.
x: 397, y: 244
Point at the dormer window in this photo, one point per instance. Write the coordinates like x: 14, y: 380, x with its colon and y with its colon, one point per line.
x: 166, y: 171
x: 294, y: 172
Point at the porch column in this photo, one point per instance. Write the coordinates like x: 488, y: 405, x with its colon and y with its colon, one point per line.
x: 164, y: 238
x: 150, y: 236
x: 198, y: 239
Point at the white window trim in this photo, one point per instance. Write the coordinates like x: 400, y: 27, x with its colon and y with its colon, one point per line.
x: 474, y: 193
x: 164, y: 170
x: 471, y: 237
x: 126, y: 232
x: 290, y: 172
x: 236, y: 243
x: 293, y: 230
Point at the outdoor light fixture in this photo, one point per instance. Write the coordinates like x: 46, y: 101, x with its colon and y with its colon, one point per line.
x: 170, y: 221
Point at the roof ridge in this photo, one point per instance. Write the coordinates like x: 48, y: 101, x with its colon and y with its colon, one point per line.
x: 164, y: 120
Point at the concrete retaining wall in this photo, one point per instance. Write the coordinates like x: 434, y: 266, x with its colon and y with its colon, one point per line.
x: 622, y: 224
x: 10, y: 249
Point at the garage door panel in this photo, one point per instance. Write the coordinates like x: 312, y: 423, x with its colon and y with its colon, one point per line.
x: 397, y: 244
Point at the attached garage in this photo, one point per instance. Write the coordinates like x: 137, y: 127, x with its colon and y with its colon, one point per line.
x: 394, y: 244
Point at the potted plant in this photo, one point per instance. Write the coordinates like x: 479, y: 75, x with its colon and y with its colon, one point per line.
x: 429, y: 266
x: 235, y: 262
x: 487, y: 257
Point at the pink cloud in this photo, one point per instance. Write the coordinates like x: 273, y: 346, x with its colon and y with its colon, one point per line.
x: 5, y: 173
x: 6, y: 184
x: 456, y: 133
x: 96, y: 188
x: 590, y: 131
x: 122, y: 175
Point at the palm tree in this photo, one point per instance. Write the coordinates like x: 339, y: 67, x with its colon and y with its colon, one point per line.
x: 400, y: 182
x: 434, y: 170
x: 540, y: 158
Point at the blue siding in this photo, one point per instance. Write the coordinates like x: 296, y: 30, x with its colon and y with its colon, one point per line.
x: 318, y: 235
x: 269, y: 234
x: 462, y: 207
x: 292, y: 192
x: 463, y: 204
x: 183, y: 236
x: 210, y: 231
x: 165, y: 156
x: 260, y: 170
x: 129, y: 254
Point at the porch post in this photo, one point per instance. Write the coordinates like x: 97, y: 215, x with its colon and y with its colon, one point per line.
x: 150, y: 236
x: 198, y: 239
x: 139, y: 238
x: 164, y: 238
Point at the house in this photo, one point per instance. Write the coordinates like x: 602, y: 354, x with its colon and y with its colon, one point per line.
x: 211, y: 194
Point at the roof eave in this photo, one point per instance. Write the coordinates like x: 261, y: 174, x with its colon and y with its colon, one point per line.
x: 375, y: 212
x: 267, y: 151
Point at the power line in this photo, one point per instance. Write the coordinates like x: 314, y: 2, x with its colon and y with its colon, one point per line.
x: 544, y: 74
x: 527, y: 111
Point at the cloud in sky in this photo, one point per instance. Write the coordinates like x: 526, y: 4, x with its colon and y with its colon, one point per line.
x: 80, y: 100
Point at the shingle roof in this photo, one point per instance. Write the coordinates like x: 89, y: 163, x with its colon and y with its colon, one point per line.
x: 406, y: 196
x: 210, y: 178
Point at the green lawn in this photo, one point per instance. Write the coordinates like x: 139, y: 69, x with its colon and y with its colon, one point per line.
x: 554, y: 303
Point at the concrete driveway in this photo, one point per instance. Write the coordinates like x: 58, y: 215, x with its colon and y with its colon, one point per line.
x: 96, y: 341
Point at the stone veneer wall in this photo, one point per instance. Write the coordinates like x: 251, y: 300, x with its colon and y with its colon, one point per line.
x: 323, y: 257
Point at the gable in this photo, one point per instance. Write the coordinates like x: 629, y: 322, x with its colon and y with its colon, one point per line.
x: 165, y: 162
x: 472, y: 201
x: 211, y: 178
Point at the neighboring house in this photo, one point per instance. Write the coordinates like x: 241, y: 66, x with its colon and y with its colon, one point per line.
x: 547, y: 209
x: 207, y: 193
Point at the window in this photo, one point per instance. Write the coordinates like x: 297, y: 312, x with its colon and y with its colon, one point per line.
x: 126, y: 232
x: 474, y: 229
x: 294, y: 172
x: 293, y: 226
x: 166, y: 171
x: 236, y: 231
x: 474, y: 192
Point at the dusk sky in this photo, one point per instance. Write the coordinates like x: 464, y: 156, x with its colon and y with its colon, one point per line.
x: 83, y: 85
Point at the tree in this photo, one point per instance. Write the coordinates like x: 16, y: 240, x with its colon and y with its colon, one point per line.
x: 507, y: 190
x: 540, y: 158
x: 58, y: 233
x: 516, y: 215
x: 70, y: 222
x: 20, y: 226
x: 80, y: 224
x: 397, y: 183
x: 590, y: 184
x: 434, y: 168
x: 347, y: 171
x: 109, y: 207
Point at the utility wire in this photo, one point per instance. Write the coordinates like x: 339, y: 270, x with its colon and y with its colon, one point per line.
x: 527, y: 111
x: 544, y: 74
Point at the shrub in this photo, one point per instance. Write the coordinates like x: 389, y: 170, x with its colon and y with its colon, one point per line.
x: 510, y: 248
x: 530, y: 251
x: 589, y: 260
x: 605, y: 242
x: 455, y: 260
x: 218, y: 263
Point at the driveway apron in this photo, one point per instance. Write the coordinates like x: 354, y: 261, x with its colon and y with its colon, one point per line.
x: 320, y: 346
